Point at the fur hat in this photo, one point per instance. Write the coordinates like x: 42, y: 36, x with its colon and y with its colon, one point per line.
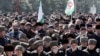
x: 46, y: 38
x: 9, y: 47
x: 83, y: 39
x: 74, y: 41
x: 38, y: 43
x: 20, y: 48
x: 53, y: 43
x: 92, y: 42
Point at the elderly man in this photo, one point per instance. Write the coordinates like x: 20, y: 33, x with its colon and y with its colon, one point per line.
x: 15, y: 33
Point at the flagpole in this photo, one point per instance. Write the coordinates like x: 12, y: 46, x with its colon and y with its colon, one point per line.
x: 17, y: 6
x: 75, y: 7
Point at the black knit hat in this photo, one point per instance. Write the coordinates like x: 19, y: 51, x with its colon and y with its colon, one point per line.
x: 89, y: 25
x: 97, y: 27
x: 39, y: 24
x: 82, y: 25
x: 70, y: 35
x: 97, y: 19
x: 64, y: 41
x: 8, y: 47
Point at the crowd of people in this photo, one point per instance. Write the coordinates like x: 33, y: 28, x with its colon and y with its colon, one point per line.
x: 59, y: 35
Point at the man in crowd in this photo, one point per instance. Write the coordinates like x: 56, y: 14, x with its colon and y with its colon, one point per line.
x: 3, y: 38
x: 91, y: 51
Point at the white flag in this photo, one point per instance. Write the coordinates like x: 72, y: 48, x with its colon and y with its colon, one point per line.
x: 93, y: 9
x: 40, y: 14
x: 70, y: 7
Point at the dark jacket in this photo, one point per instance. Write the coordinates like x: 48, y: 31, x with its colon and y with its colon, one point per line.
x: 62, y: 51
x: 52, y: 54
x: 34, y: 53
x: 47, y: 49
x: 4, y: 41
x: 91, y: 52
x: 76, y: 53
x: 81, y: 48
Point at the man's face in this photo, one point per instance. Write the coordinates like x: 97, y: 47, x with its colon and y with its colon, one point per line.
x: 51, y: 29
x: 98, y: 22
x: 2, y: 34
x: 83, y: 31
x: 28, y: 27
x: 45, y: 26
x: 74, y: 46
x: 89, y: 29
x: 46, y: 44
x: 65, y: 46
x: 98, y: 31
x: 71, y: 30
x: 91, y: 47
x: 15, y: 27
x: 89, y: 20
x: 17, y: 52
x: 22, y: 26
x: 40, y: 48
x: 39, y: 27
x: 9, y: 53
x: 84, y: 44
x: 54, y: 49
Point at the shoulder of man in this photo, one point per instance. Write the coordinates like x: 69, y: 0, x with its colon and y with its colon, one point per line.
x: 31, y: 52
x: 79, y: 47
x: 85, y: 50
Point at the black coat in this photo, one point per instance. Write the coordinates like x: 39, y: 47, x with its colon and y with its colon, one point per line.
x: 52, y: 54
x: 47, y: 49
x: 33, y: 53
x: 91, y: 52
x: 36, y: 54
x: 4, y: 41
x: 62, y: 52
x: 76, y: 53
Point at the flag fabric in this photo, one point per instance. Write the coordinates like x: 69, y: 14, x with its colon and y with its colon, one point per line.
x: 70, y: 7
x: 40, y: 14
x: 93, y: 10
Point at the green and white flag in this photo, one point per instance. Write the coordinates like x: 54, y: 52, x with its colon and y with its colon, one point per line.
x: 40, y: 14
x: 70, y: 7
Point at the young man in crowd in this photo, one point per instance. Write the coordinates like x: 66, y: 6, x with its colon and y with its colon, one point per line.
x: 83, y: 43
x: 38, y: 46
x: 46, y: 43
x: 91, y: 48
x: 54, y: 49
x: 19, y: 50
